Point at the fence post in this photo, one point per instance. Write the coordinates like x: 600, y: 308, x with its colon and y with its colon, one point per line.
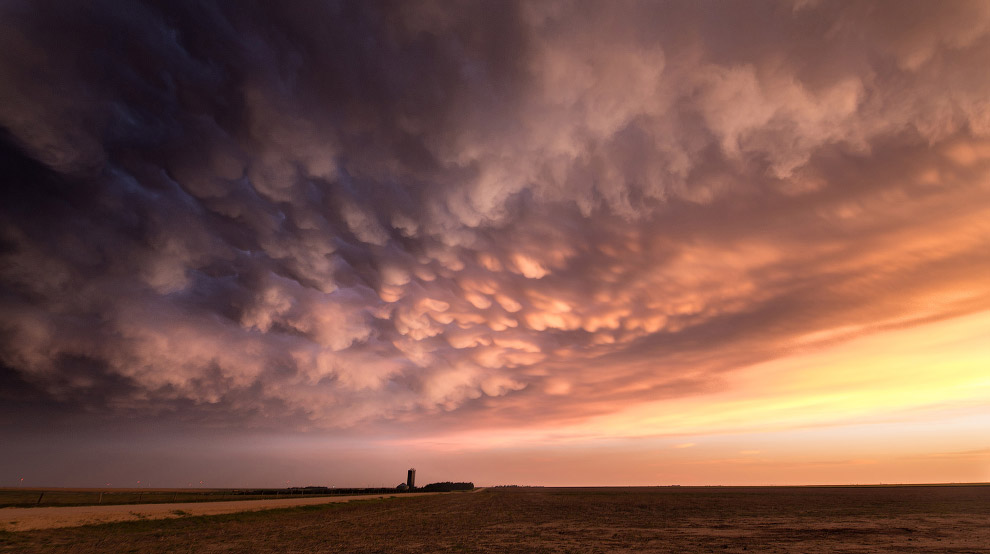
x: 100, y: 501
x: 40, y: 496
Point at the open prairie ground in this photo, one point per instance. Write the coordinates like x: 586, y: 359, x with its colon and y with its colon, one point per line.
x: 952, y: 519
x: 27, y: 497
x: 51, y: 517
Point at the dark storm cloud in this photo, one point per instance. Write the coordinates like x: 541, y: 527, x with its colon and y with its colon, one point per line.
x: 328, y: 213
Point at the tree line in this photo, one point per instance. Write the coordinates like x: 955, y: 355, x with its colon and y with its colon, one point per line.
x: 447, y: 486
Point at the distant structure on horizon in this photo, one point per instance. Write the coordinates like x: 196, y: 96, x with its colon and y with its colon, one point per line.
x: 411, y: 478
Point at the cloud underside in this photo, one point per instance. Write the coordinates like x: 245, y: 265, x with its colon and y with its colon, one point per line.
x: 329, y: 215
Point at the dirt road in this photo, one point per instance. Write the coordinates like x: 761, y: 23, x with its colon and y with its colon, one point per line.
x: 24, y: 519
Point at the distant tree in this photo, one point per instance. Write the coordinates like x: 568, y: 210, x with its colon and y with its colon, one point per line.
x: 448, y: 486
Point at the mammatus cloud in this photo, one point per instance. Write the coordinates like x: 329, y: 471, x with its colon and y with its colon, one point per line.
x: 334, y: 213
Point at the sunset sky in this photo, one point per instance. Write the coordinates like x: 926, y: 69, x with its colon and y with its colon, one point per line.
x: 547, y: 242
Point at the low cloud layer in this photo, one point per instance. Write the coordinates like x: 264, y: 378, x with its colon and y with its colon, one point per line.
x: 326, y: 214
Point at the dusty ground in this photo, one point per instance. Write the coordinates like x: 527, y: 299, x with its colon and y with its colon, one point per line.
x: 24, y: 497
x: 26, y: 519
x: 681, y: 520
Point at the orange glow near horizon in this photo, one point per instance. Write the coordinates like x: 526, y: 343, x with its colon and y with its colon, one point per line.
x: 582, y: 243
x: 887, y: 407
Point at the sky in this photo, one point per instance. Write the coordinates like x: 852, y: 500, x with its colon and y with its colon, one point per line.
x: 535, y: 243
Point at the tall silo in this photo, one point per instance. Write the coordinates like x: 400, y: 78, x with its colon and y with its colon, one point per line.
x: 411, y: 478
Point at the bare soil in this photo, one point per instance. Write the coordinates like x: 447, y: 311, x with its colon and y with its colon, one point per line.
x: 944, y: 519
x: 19, y: 497
x: 50, y: 517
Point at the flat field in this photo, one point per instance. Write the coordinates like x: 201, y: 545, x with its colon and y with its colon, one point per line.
x: 950, y: 519
x: 26, y: 497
